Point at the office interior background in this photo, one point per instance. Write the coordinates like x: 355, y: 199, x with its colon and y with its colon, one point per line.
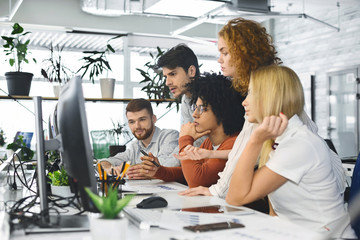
x: 319, y: 39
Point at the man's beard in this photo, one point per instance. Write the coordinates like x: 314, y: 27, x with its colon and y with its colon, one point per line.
x: 147, y: 134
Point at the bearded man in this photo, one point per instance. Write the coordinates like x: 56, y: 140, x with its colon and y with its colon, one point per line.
x: 160, y: 142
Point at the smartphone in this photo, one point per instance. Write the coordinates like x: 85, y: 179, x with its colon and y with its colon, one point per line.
x: 214, y: 226
x: 219, y: 209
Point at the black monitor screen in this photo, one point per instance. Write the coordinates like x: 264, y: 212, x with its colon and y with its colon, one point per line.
x: 76, y: 153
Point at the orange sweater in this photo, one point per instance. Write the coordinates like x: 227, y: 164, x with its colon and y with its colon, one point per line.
x: 196, y: 172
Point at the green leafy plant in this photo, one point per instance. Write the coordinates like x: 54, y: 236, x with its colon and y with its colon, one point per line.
x: 55, y: 70
x: 96, y: 61
x: 15, y: 48
x: 26, y: 153
x: 118, y: 130
x: 59, y: 178
x: 109, y: 206
x: 2, y: 137
x: 155, y: 87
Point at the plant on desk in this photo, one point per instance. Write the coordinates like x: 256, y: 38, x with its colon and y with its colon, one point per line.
x: 2, y: 138
x: 109, y: 225
x: 59, y: 178
x: 59, y: 181
x: 26, y: 153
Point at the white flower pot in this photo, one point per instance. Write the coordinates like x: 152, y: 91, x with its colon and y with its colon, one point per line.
x: 56, y: 89
x: 10, y: 153
x: 62, y: 191
x: 107, y: 86
x: 109, y: 229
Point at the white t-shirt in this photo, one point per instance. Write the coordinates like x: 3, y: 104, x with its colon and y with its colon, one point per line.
x: 310, y: 197
x: 221, y: 188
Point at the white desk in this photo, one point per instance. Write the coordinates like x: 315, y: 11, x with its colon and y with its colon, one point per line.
x: 257, y: 225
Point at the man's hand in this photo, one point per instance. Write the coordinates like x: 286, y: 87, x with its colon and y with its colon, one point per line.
x: 149, y: 169
x: 194, y: 153
x: 204, y: 191
x: 134, y: 172
x: 190, y: 129
x: 109, y: 168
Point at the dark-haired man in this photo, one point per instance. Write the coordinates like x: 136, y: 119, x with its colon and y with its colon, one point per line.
x: 180, y: 65
x: 160, y: 142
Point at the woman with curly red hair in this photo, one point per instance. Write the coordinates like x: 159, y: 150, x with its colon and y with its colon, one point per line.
x: 244, y: 46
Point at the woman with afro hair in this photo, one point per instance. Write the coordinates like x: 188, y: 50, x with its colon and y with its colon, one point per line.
x: 219, y: 115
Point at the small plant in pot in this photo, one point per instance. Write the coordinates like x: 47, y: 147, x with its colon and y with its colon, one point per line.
x: 16, y: 50
x: 55, y: 71
x: 59, y: 182
x: 2, y: 138
x: 26, y: 153
x: 95, y: 63
x: 108, y: 224
x: 118, y: 130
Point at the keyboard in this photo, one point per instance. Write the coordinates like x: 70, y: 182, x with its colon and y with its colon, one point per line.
x: 143, y: 218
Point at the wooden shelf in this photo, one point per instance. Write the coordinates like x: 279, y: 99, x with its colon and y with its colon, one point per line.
x: 86, y: 99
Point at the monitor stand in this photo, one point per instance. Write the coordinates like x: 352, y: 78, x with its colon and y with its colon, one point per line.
x: 51, y: 223
x: 63, y: 223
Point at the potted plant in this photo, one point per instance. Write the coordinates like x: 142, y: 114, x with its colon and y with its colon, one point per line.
x: 18, y: 82
x: 26, y: 153
x: 2, y: 138
x: 55, y: 71
x: 95, y: 63
x: 117, y: 131
x: 155, y: 87
x: 108, y: 224
x: 2, y: 144
x: 59, y: 184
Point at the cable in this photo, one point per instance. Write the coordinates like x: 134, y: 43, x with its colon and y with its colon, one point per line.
x: 20, y: 103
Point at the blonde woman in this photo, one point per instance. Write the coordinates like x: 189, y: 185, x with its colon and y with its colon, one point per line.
x: 295, y: 170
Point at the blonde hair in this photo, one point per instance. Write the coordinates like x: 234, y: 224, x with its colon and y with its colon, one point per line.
x: 276, y: 89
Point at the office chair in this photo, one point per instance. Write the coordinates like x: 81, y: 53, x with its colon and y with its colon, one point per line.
x: 331, y: 145
x: 354, y: 197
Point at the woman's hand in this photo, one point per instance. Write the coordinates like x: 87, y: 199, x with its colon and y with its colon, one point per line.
x: 194, y: 153
x: 190, y: 129
x: 203, y: 191
x: 271, y: 127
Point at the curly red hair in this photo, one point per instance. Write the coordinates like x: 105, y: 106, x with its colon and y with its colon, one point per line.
x: 250, y: 47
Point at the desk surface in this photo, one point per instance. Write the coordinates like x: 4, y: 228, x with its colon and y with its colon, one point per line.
x: 257, y: 225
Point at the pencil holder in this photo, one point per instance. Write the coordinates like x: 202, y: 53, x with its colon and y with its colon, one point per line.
x: 110, y: 182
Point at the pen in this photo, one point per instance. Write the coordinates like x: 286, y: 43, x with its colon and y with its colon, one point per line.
x: 116, y: 183
x: 145, y: 154
x: 127, y: 165
x: 99, y: 170
x: 105, y: 180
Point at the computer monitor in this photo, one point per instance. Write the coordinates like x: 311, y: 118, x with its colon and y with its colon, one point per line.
x: 73, y: 143
x: 76, y: 152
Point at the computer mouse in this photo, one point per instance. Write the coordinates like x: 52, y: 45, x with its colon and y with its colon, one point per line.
x: 152, y: 202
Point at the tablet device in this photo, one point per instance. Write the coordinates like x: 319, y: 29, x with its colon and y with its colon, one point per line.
x: 219, y: 209
x: 214, y: 226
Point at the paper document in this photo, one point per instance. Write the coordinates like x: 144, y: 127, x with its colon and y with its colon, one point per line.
x: 176, y: 220
x: 256, y: 228
x: 153, y: 187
